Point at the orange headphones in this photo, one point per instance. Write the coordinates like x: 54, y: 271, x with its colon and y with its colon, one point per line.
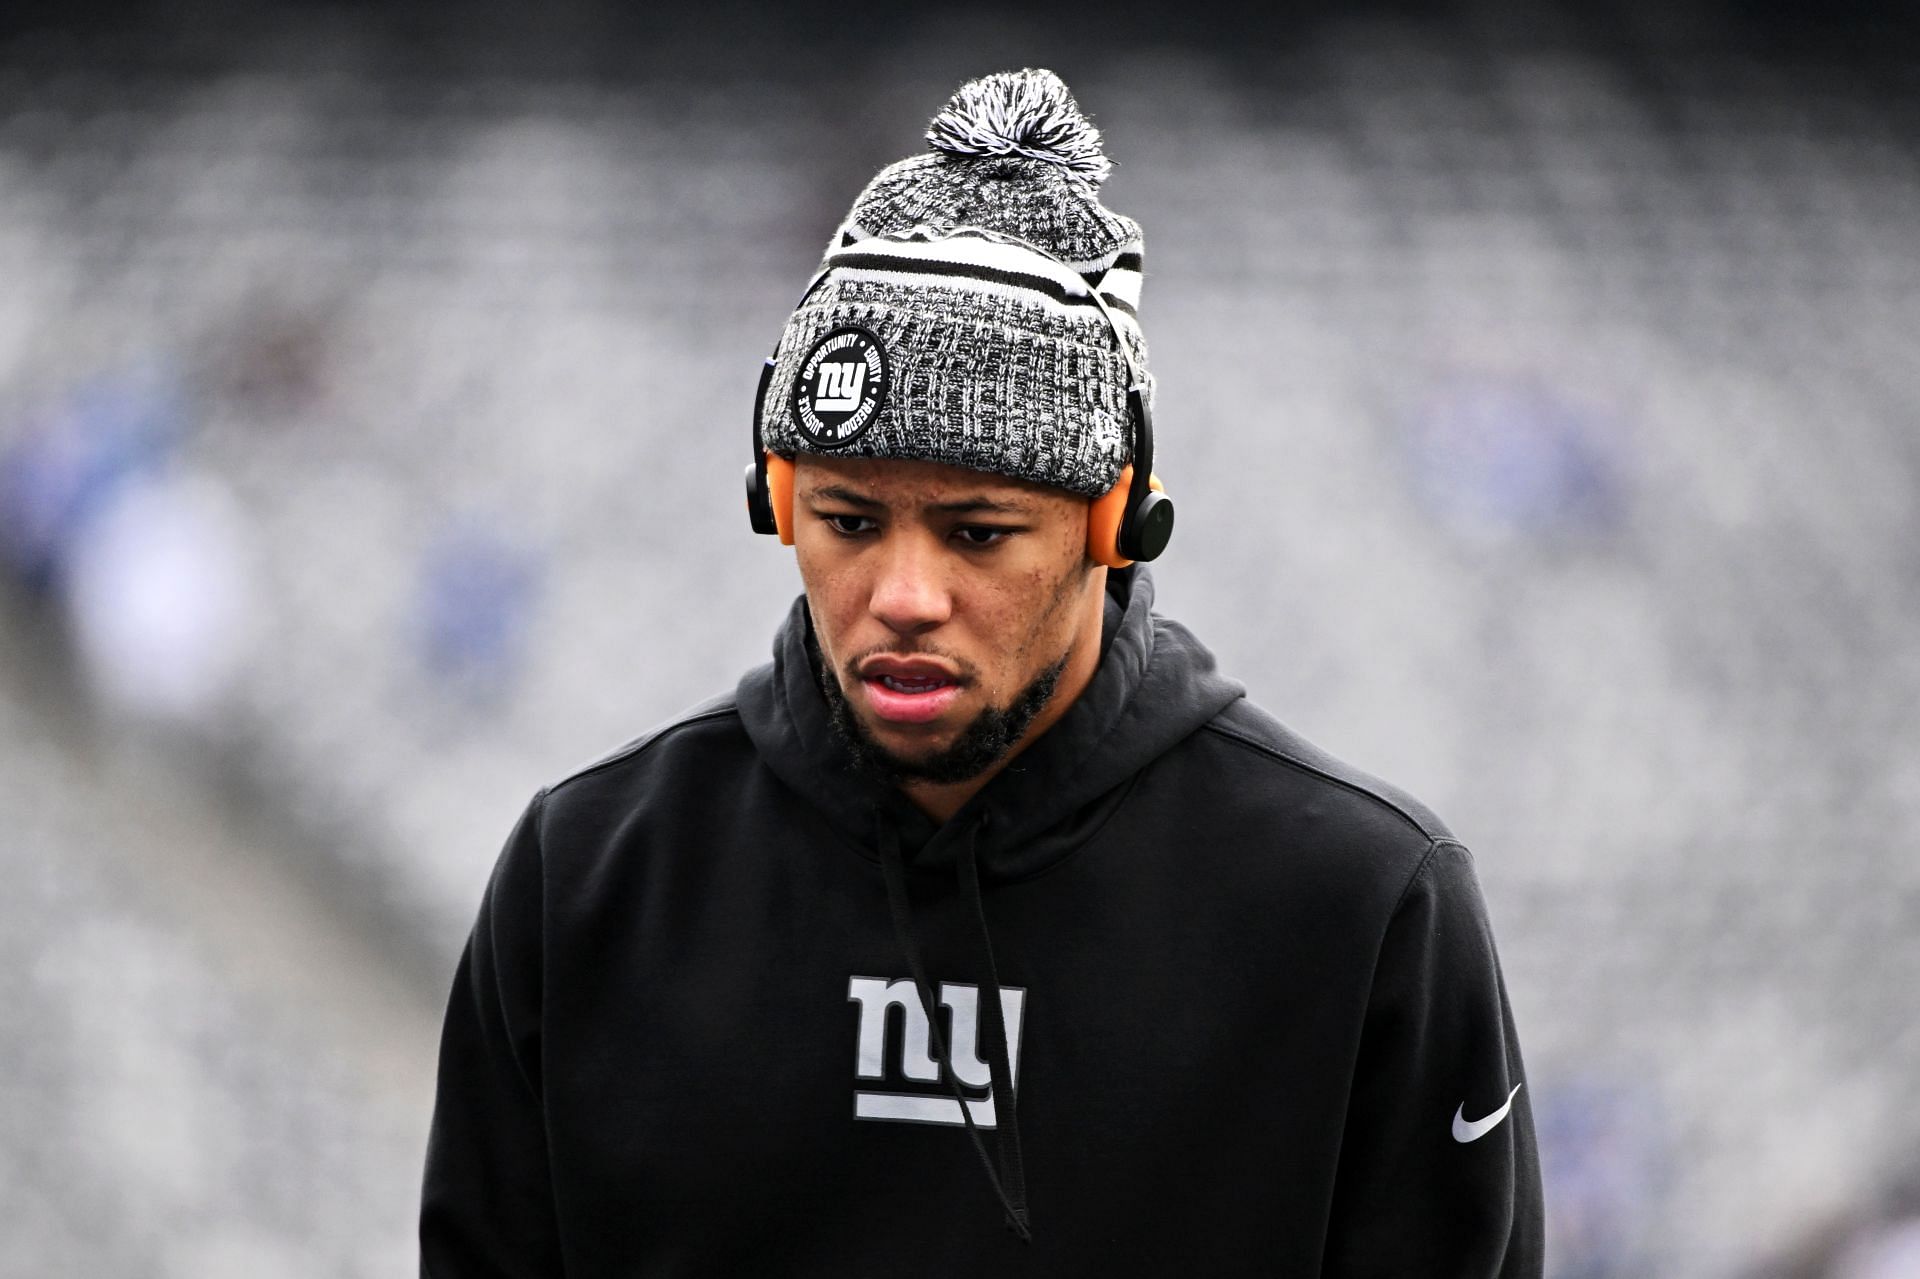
x: 1131, y: 521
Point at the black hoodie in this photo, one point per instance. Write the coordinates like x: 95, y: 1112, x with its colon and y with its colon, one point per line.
x: 1253, y: 1022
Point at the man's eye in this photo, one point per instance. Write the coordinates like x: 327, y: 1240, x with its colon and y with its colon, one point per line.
x: 981, y: 534
x: 849, y: 525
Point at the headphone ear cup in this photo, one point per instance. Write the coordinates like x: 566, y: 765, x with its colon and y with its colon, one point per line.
x: 1145, y: 535
x: 759, y: 511
x: 780, y: 495
x: 1107, y: 516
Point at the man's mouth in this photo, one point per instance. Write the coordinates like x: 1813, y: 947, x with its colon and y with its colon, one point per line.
x: 908, y: 692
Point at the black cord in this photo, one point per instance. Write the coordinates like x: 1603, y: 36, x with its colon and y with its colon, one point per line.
x: 895, y: 875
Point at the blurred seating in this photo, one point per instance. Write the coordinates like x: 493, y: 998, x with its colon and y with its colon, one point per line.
x: 1546, y: 406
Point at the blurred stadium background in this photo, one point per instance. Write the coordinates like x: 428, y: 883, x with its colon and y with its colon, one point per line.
x: 1540, y: 384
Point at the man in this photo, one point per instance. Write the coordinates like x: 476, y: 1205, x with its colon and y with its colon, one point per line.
x: 988, y: 930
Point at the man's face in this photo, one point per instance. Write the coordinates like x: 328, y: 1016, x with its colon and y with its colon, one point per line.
x: 947, y: 604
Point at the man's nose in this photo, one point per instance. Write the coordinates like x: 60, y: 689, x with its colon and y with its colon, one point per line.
x: 910, y: 594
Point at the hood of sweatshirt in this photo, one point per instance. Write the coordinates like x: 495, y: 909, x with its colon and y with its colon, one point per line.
x: 1155, y: 685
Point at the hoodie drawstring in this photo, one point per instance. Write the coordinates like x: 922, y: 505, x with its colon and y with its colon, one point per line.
x: 1008, y: 1175
x: 999, y: 1059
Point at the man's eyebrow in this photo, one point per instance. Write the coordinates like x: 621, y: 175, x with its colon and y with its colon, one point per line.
x: 835, y: 493
x: 983, y: 506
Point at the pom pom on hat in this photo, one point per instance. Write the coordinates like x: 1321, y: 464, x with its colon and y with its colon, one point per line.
x: 1028, y: 113
x: 1011, y: 153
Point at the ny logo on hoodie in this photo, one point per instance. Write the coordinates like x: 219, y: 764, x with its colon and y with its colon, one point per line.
x: 877, y: 998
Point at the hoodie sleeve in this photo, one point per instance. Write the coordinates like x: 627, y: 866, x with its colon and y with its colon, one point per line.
x: 1438, y: 1172
x: 487, y: 1202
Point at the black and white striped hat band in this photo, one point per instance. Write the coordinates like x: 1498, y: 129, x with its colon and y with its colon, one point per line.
x: 1118, y: 281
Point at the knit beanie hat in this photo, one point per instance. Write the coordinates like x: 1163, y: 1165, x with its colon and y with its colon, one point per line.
x: 971, y: 307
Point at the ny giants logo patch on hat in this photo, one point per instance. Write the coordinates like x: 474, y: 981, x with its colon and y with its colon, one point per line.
x: 841, y: 387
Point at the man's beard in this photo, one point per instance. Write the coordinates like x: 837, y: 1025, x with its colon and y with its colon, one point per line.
x: 980, y: 745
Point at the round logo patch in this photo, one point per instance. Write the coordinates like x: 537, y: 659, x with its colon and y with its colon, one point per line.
x: 840, y: 388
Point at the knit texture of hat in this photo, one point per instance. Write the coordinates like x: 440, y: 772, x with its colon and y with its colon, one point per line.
x: 958, y: 315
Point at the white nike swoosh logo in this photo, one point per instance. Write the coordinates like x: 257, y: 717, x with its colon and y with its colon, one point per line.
x: 1464, y: 1132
